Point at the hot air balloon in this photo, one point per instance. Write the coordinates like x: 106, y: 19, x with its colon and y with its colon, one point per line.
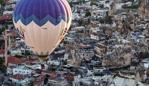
x: 42, y: 24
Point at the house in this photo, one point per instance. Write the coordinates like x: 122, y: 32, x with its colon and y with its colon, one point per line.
x: 22, y: 70
x: 13, y: 60
x: 119, y: 81
x: 94, y: 37
x: 84, y: 53
x: 20, y: 80
x: 145, y: 63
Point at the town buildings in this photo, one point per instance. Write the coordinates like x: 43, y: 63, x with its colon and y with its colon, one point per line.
x: 107, y: 45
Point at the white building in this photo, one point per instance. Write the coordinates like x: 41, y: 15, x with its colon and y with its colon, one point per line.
x: 18, y: 79
x: 82, y: 53
x: 94, y: 37
x: 22, y: 70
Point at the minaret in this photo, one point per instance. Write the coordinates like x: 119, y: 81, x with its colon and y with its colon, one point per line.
x: 6, y: 47
x: 113, y: 8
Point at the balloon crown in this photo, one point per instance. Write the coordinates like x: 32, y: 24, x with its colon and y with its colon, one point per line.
x: 40, y: 11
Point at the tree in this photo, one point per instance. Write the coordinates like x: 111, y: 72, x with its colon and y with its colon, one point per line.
x: 46, y: 79
x: 88, y: 14
x: 108, y: 19
x: 1, y: 61
x: 31, y: 83
x: 2, y: 66
x: 80, y: 22
x: 94, y: 2
x: 143, y: 55
x: 1, y: 1
x: 0, y: 83
x: 18, y: 56
x: 2, y: 30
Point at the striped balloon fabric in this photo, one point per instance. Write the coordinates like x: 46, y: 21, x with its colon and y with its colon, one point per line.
x: 42, y: 23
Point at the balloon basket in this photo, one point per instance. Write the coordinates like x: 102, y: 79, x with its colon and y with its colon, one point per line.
x: 43, y: 58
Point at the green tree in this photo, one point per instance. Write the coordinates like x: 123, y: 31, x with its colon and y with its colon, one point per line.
x: 1, y: 61
x: 93, y: 2
x: 1, y: 1
x: 88, y: 14
x: 2, y: 30
x: 0, y: 83
x: 2, y: 66
x: 31, y: 83
x: 108, y: 19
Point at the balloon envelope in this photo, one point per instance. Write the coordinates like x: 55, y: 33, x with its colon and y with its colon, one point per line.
x: 42, y: 23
